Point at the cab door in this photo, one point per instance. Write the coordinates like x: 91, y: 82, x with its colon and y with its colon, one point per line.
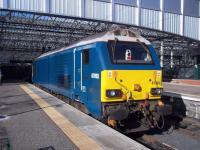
x: 87, y: 82
x: 81, y: 74
x: 86, y: 71
x: 77, y: 74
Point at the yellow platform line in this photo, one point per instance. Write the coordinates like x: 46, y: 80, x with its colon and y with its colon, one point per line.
x: 80, y: 139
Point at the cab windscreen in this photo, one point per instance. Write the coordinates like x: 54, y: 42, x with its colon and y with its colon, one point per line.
x: 129, y: 53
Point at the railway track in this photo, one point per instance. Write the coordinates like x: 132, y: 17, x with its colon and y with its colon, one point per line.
x: 153, y: 144
x: 189, y: 137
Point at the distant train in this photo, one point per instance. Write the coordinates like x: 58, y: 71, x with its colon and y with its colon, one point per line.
x: 114, y: 76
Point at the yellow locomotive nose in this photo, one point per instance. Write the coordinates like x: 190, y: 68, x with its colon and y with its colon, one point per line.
x: 130, y: 85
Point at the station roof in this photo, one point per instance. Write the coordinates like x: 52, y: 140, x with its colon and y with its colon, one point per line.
x: 26, y: 35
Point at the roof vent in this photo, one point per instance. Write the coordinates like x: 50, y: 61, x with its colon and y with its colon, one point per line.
x: 124, y: 32
x: 132, y: 34
x: 117, y: 32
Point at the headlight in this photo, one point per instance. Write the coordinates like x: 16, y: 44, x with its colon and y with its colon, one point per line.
x: 156, y: 91
x: 114, y: 93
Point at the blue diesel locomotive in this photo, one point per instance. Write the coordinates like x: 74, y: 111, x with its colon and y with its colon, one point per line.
x: 114, y: 76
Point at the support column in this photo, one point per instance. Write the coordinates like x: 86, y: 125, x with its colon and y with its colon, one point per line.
x: 82, y: 8
x: 5, y: 4
x: 48, y: 6
x: 161, y: 54
x: 161, y: 15
x: 199, y: 22
x: 182, y: 20
x: 112, y: 10
x: 185, y: 59
x: 199, y: 8
x: 172, y: 59
x: 138, y: 13
x: 8, y: 4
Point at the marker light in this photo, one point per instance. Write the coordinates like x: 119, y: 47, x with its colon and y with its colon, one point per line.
x: 114, y: 93
x: 156, y: 91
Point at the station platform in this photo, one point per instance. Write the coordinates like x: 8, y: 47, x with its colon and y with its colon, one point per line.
x: 186, y: 82
x: 36, y: 120
x: 183, y: 89
x: 187, y: 97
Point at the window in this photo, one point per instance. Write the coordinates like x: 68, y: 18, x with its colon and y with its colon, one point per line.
x: 86, y: 57
x: 129, y: 53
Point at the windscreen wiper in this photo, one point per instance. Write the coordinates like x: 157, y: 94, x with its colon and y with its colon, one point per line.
x: 145, y: 48
x: 113, y: 45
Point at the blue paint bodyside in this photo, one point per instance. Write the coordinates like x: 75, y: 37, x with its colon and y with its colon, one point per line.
x: 56, y: 72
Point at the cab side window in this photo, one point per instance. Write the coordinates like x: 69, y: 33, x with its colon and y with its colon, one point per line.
x: 86, y: 57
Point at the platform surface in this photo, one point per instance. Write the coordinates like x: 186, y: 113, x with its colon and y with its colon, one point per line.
x: 37, y: 119
x: 183, y: 89
x: 186, y: 81
x: 187, y: 98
